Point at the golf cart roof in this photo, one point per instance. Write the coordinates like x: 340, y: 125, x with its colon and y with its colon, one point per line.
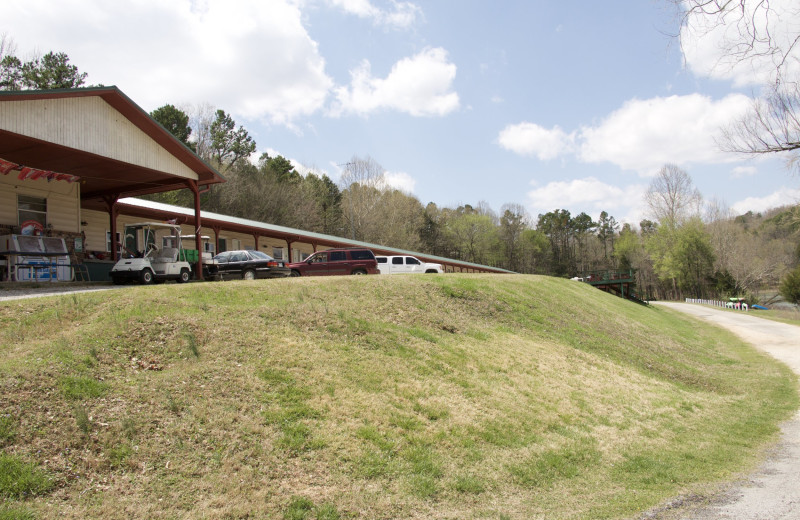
x: 188, y: 237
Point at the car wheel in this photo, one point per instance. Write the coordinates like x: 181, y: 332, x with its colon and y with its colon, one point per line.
x: 249, y: 274
x: 359, y: 271
x: 146, y: 276
x: 185, y: 276
x: 295, y: 273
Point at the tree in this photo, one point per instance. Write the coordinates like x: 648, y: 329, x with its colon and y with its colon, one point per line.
x: 606, y: 229
x: 175, y: 121
x: 557, y: 226
x: 764, y: 36
x: 771, y: 126
x: 362, y: 182
x: 790, y: 287
x: 229, y: 144
x: 50, y: 71
x: 672, y: 196
x: 512, y: 224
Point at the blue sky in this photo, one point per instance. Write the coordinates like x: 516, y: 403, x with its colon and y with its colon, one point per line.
x: 570, y: 105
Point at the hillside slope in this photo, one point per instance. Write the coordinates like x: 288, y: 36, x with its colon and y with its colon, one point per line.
x: 452, y: 396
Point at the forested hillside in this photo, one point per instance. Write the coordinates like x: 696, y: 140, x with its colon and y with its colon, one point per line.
x: 687, y: 247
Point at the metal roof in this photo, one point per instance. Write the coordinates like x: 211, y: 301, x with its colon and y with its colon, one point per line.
x: 102, y: 176
x: 238, y: 224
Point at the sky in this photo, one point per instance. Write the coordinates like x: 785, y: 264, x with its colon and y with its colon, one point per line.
x: 570, y: 105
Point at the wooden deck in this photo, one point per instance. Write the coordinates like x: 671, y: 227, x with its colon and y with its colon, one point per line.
x: 621, y: 282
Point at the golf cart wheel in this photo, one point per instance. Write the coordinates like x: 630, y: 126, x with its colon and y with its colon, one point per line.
x: 249, y: 274
x: 185, y: 276
x: 146, y: 276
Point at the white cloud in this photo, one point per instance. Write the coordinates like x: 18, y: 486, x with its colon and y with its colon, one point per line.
x: 641, y: 136
x: 782, y: 197
x: 401, y: 15
x: 743, y: 171
x: 534, y: 140
x: 589, y: 195
x: 707, y: 42
x: 400, y: 181
x: 420, y: 85
x: 252, y: 58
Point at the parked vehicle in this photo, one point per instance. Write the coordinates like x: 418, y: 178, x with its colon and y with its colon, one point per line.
x: 154, y: 264
x: 401, y: 264
x: 336, y: 261
x: 247, y: 265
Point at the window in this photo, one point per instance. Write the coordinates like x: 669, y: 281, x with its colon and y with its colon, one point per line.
x: 235, y: 244
x: 397, y: 260
x: 32, y: 209
x: 338, y: 256
x: 277, y: 253
x: 410, y: 260
x: 362, y: 254
x: 108, y: 242
x: 381, y: 259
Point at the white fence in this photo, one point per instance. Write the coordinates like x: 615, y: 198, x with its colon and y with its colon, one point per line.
x: 739, y: 306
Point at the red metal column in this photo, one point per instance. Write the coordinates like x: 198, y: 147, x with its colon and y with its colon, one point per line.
x: 198, y: 268
x: 113, y: 213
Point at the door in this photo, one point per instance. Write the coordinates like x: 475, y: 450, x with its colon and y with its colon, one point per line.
x: 337, y: 263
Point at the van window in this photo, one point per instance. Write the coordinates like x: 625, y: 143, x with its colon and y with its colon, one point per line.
x: 337, y: 256
x: 381, y: 259
x: 398, y: 260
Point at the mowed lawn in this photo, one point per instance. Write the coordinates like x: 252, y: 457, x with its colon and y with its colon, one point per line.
x: 435, y: 396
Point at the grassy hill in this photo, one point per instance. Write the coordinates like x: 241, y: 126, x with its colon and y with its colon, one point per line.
x: 452, y: 396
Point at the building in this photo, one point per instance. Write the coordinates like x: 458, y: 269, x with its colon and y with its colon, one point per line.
x: 72, y: 160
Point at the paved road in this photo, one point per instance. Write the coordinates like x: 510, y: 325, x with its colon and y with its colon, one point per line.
x: 773, y: 491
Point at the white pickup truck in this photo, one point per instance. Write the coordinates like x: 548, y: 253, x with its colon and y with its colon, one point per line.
x: 405, y: 264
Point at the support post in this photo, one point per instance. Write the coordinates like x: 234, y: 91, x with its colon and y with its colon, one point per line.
x: 113, y: 213
x: 198, y: 268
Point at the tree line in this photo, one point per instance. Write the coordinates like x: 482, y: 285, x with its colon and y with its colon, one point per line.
x: 680, y: 250
x: 685, y: 248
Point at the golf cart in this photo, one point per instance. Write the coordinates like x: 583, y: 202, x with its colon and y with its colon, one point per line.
x: 153, y: 263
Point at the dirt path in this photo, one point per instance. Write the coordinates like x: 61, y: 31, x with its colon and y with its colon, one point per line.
x: 773, y: 491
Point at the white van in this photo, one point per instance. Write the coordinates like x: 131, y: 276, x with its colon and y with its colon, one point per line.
x: 402, y: 264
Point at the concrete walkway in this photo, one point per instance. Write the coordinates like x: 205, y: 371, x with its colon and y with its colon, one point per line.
x: 773, y: 491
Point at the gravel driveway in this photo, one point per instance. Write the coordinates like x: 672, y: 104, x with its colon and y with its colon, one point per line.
x: 773, y: 491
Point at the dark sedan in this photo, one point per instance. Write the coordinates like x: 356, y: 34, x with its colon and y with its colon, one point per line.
x: 246, y: 264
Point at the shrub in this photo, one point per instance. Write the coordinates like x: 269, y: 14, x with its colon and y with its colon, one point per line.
x: 790, y: 287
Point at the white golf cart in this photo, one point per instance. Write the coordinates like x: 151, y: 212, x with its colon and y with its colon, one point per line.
x: 154, y: 263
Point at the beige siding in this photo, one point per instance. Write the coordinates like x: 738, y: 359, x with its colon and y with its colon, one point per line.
x: 97, y: 223
x: 63, y: 201
x: 92, y: 125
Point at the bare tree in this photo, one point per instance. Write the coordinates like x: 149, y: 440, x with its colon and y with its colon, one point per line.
x: 765, y: 35
x: 771, y: 126
x: 362, y: 183
x: 201, y: 117
x: 746, y: 30
x: 672, y: 197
